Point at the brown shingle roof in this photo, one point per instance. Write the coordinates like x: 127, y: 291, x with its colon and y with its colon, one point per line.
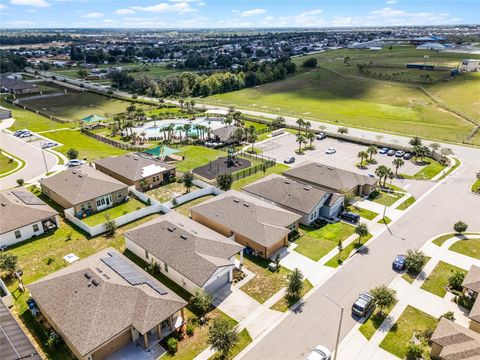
x: 287, y: 192
x: 89, y: 315
x: 19, y: 207
x: 325, y: 176
x: 249, y: 216
x: 457, y: 342
x: 472, y: 279
x: 190, y: 248
x: 79, y: 184
x: 131, y: 166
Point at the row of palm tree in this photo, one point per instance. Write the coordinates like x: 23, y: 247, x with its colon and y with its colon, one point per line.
x: 367, y: 154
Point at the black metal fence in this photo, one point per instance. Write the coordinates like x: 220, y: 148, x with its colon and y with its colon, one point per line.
x: 38, y: 112
x: 108, y: 141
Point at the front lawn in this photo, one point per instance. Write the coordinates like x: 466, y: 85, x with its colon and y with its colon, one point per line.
x: 166, y: 192
x: 277, y: 169
x: 385, y: 198
x: 316, y: 243
x: 114, y: 212
x: 476, y: 186
x: 345, y: 253
x: 406, y: 204
x: 385, y: 220
x: 265, y: 283
x: 469, y: 247
x: 184, y: 209
x: 244, y: 339
x: 286, y: 302
x: 367, y: 214
x: 195, y: 156
x: 431, y: 169
x: 437, y: 280
x: 442, y: 238
x: 411, y: 321
x: 370, y: 326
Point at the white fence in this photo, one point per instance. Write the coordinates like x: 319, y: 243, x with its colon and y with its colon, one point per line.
x: 208, y: 190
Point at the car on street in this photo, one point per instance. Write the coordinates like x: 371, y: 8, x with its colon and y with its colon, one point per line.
x: 49, y: 144
x: 289, y: 160
x: 18, y: 132
x: 320, y: 353
x: 350, y: 217
x: 399, y: 153
x: 391, y: 152
x: 399, y: 262
x: 407, y: 156
x: 330, y: 151
x: 75, y: 162
x: 321, y: 136
x: 363, y: 305
x: 25, y: 134
x: 384, y: 150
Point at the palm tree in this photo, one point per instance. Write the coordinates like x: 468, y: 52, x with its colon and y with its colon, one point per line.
x: 300, y: 123
x: 278, y: 122
x: 311, y: 137
x: 362, y: 155
x: 307, y: 125
x: 301, y: 140
x: 228, y: 120
x: 192, y: 103
x: 361, y: 230
x: 187, y: 127
x: 398, y: 163
x: 237, y: 118
x: 252, y: 136
x: 181, y: 102
x: 372, y: 150
x: 434, y: 147
x: 381, y: 172
x: 170, y: 129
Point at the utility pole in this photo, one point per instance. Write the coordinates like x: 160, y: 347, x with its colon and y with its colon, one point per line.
x: 44, y: 160
x: 339, y: 326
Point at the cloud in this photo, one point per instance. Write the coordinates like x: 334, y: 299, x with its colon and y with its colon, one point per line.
x: 93, y: 15
x: 309, y: 18
x: 391, y: 2
x: 253, y: 12
x: 178, y: 7
x: 391, y: 16
x: 124, y: 11
x: 2, y: 7
x: 108, y: 21
x: 35, y: 3
x: 19, y: 23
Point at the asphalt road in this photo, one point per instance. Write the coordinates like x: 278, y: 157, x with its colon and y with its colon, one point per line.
x: 317, y: 320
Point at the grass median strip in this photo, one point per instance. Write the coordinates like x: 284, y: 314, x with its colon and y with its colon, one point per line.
x: 345, y: 253
x: 370, y: 326
x: 410, y: 277
x: 442, y: 238
x: 437, y: 280
x: 406, y: 204
x: 287, y: 302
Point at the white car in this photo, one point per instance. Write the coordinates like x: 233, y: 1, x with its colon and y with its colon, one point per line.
x: 49, y: 145
x: 75, y: 162
x: 25, y: 134
x: 330, y: 151
x: 320, y: 353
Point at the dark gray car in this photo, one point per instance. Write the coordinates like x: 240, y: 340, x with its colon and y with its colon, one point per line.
x: 363, y: 305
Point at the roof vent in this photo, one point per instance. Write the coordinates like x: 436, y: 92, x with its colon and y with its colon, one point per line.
x: 88, y: 275
x: 287, y: 182
x: 95, y: 282
x: 184, y: 237
x: 306, y: 188
x: 3, y: 204
x: 246, y: 205
x: 171, y: 229
x: 74, y: 172
x: 128, y: 155
x: 99, y: 270
x: 80, y: 175
x: 236, y: 201
x: 106, y: 276
x: 329, y: 168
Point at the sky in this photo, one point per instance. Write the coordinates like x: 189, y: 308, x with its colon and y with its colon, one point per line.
x: 186, y: 14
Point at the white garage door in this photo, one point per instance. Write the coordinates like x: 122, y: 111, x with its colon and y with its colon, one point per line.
x: 217, y: 284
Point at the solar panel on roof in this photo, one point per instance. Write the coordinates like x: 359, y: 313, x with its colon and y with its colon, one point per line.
x: 28, y: 198
x: 128, y: 272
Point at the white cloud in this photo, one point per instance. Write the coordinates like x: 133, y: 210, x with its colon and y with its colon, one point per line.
x: 309, y: 18
x: 391, y: 16
x: 2, y: 7
x: 93, y: 15
x: 35, y: 3
x: 179, y: 8
x: 391, y: 2
x: 253, y: 12
x: 108, y: 21
x: 124, y: 11
x: 19, y: 23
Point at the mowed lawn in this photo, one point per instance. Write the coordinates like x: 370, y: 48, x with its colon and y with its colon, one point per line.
x: 437, y: 280
x: 470, y: 247
x: 195, y: 156
x: 87, y: 147
x: 6, y: 164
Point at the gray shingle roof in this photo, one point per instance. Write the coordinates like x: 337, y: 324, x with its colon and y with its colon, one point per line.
x: 287, y: 192
x: 457, y: 341
x: 249, y: 216
x: 225, y: 132
x: 190, y: 248
x: 131, y: 166
x: 472, y: 279
x: 16, y: 213
x: 325, y: 176
x: 82, y: 183
x: 89, y: 315
x: 16, y: 84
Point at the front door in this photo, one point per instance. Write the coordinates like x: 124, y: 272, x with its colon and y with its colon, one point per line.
x: 104, y: 202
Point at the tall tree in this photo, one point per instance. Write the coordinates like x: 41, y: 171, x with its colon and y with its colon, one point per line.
x: 383, y: 297
x: 398, y: 163
x: 361, y: 230
x: 187, y: 180
x: 300, y: 140
x: 372, y: 150
x: 222, y: 336
x: 295, y: 284
x: 252, y: 136
x: 225, y: 181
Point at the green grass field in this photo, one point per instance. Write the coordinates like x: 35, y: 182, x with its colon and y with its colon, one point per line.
x: 6, y: 164
x: 437, y: 280
x: 470, y: 247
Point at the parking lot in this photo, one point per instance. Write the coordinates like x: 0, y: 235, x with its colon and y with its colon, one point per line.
x: 345, y: 156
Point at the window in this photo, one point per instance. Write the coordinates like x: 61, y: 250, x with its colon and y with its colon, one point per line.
x: 166, y: 267
x: 18, y: 234
x: 35, y: 227
x: 146, y: 254
x: 119, y: 194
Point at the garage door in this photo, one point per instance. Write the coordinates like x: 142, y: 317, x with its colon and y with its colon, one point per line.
x: 217, y: 284
x: 113, y: 345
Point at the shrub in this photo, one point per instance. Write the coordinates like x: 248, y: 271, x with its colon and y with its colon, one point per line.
x: 310, y: 63
x: 110, y: 226
x: 222, y: 335
x: 414, y: 352
x: 374, y: 194
x: 465, y: 301
x: 172, y: 345
x: 414, y: 261
x: 190, y: 329
x: 456, y: 279
x: 460, y: 227
x: 20, y: 182
x: 201, y: 301
x: 8, y: 262
x: 448, y: 315
x: 72, y: 153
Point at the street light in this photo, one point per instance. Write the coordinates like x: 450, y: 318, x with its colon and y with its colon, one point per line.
x: 339, y: 325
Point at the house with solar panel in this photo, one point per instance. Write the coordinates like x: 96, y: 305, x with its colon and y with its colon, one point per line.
x: 23, y: 216
x: 105, y: 304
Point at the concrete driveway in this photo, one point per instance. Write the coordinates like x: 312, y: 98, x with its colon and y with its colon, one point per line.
x: 345, y: 157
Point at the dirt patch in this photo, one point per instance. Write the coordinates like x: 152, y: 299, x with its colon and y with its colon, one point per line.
x: 219, y: 166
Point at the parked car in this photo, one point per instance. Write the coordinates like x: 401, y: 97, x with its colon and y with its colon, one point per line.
x: 349, y: 216
x: 25, y: 134
x: 49, y: 144
x: 289, y: 160
x: 18, y: 132
x: 400, y: 153
x: 399, y: 262
x: 330, y: 151
x: 407, y: 156
x: 32, y: 306
x: 391, y: 152
x: 75, y: 162
x: 384, y: 150
x: 321, y: 136
x: 320, y: 353
x: 363, y: 305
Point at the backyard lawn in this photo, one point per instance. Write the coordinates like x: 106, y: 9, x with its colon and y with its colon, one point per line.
x: 411, y: 321
x: 87, y: 147
x: 437, y: 280
x: 114, y: 212
x: 469, y: 247
x: 406, y: 204
x: 184, y: 209
x: 370, y: 326
x: 265, y: 283
x: 316, y: 243
x: 195, y: 156
x: 277, y: 169
x: 345, y: 253
x: 167, y: 192
x: 286, y: 302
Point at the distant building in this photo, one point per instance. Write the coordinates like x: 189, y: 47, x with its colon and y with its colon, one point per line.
x: 5, y: 113
x: 431, y: 46
x: 470, y: 65
x: 17, y: 86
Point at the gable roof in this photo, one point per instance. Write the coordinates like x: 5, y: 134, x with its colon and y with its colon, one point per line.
x: 134, y: 166
x: 472, y: 279
x: 249, y: 216
x: 457, y: 342
x: 225, y: 132
x: 325, y: 176
x: 89, y: 315
x: 192, y: 249
x: 92, y: 118
x: 19, y: 207
x: 82, y: 183
x: 17, y: 84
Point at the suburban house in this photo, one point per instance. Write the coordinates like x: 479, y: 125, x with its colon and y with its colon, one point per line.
x: 254, y: 223
x: 224, y: 133
x: 471, y: 286
x: 85, y: 189
x: 104, y: 302
x: 309, y: 202
x: 17, y: 86
x: 5, y: 113
x: 23, y: 216
x: 332, y: 179
x: 189, y: 253
x: 138, y: 169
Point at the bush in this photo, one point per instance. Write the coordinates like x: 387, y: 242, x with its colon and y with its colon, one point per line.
x: 309, y: 63
x: 172, y: 345
x: 20, y: 182
x: 448, y: 315
x: 465, y: 301
x: 414, y: 262
x: 201, y: 301
x: 374, y: 194
x: 414, y: 352
x: 72, y: 153
x: 460, y: 227
x: 456, y: 279
x: 190, y: 329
